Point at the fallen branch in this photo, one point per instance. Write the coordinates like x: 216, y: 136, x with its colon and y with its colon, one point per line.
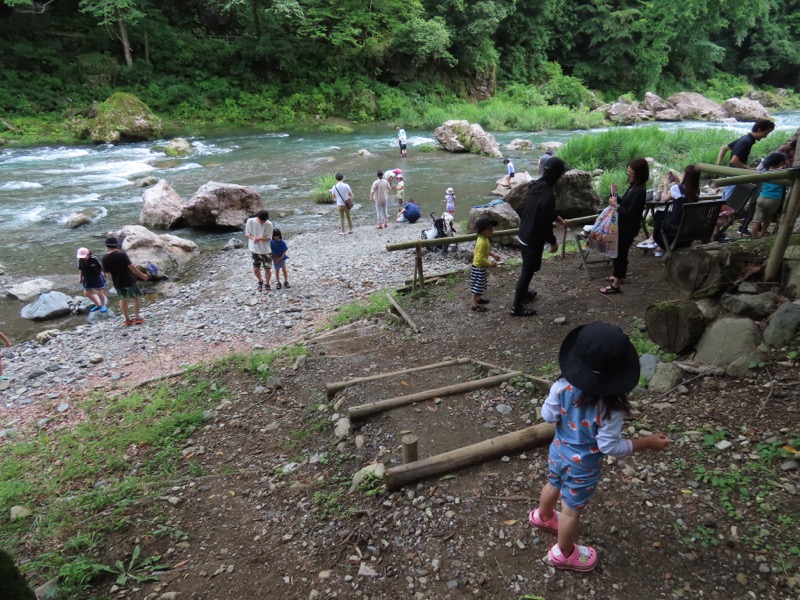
x: 403, y: 314
x: 543, y: 384
x: 159, y: 378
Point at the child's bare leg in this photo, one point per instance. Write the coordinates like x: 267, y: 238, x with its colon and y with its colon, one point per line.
x: 102, y: 296
x: 285, y: 274
x: 123, y: 305
x: 568, y: 529
x: 547, y: 502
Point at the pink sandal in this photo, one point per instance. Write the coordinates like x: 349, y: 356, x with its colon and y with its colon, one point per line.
x: 583, y: 559
x: 550, y: 525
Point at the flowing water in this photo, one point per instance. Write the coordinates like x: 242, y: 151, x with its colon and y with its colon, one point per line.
x: 40, y: 187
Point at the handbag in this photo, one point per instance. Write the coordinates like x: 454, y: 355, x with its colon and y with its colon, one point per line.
x: 604, y: 237
x: 347, y: 201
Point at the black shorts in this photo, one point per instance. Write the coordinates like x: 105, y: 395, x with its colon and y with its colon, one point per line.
x: 402, y: 146
x: 511, y: 175
x: 259, y: 259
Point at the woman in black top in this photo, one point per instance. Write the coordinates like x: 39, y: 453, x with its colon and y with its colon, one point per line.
x: 666, y: 222
x: 629, y: 218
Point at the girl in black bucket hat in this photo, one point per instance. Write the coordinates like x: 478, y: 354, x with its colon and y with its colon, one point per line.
x: 599, y: 366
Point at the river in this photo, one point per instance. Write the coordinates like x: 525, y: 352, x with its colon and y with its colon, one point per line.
x: 40, y: 187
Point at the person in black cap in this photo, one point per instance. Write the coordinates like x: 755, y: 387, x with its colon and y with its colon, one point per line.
x: 481, y: 260
x: 123, y: 273
x: 599, y: 366
x: 536, y: 230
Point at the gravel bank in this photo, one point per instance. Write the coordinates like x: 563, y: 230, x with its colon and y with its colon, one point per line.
x: 219, y: 313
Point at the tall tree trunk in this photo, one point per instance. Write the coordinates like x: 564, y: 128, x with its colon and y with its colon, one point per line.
x: 256, y: 19
x: 123, y: 36
x: 146, y: 46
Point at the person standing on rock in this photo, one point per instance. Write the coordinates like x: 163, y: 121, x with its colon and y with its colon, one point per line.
x: 117, y: 264
x: 548, y: 154
x: 509, y: 171
x: 258, y: 230
x: 343, y: 196
x: 379, y: 194
x: 536, y: 230
x: 91, y: 279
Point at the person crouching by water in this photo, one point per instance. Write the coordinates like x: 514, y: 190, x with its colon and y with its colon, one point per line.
x: 91, y: 279
x: 409, y: 213
x: 124, y: 273
x: 279, y: 249
x: 629, y: 219
x: 482, y: 259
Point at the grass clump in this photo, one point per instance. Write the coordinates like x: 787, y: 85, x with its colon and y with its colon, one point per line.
x: 322, y: 189
x: 374, y: 304
x: 644, y: 345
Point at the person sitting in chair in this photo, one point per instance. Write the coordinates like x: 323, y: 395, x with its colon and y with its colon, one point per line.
x: 666, y: 222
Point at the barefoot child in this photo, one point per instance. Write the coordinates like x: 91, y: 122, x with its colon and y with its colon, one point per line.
x: 7, y: 342
x: 279, y: 257
x: 450, y: 200
x: 510, y: 171
x: 599, y: 366
x: 483, y: 250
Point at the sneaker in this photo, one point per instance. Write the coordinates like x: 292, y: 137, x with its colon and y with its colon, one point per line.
x: 103, y: 309
x: 94, y: 308
x: 3, y: 378
x: 647, y: 245
x: 582, y: 559
x: 658, y: 254
x: 744, y: 233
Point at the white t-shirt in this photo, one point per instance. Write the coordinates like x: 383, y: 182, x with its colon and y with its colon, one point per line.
x: 341, y: 191
x: 401, y: 136
x: 675, y: 191
x: 255, y: 228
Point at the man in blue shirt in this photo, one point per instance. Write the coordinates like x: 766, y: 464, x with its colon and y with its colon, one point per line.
x: 410, y: 213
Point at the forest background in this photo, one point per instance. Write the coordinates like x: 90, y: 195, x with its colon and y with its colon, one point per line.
x: 526, y: 64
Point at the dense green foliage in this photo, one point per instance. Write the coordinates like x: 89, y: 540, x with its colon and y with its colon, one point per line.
x: 284, y: 61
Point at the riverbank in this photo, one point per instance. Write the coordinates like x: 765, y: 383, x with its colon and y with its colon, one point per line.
x: 217, y: 314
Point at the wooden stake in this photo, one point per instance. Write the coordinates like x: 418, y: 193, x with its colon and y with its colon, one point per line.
x: 365, y: 410
x: 530, y: 437
x: 410, y: 453
x: 332, y: 388
x: 543, y: 384
x: 790, y: 215
x: 418, y: 267
x: 402, y: 313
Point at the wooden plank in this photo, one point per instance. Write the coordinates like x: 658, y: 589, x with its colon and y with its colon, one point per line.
x: 365, y: 410
x: 468, y: 456
x: 403, y: 314
x: 332, y: 388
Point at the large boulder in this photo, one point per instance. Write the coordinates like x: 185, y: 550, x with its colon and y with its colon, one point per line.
x: 669, y: 114
x: 461, y: 136
x: 754, y: 306
x: 744, y: 109
x: 692, y: 105
x: 519, y: 179
x: 124, y: 118
x: 655, y: 103
x: 783, y: 325
x: 727, y: 340
x: 28, y: 290
x: 222, y: 206
x: 522, y: 145
x: 791, y: 269
x: 162, y: 207
x: 503, y: 213
x: 623, y: 112
x: 50, y: 305
x: 575, y: 195
x: 168, y: 253
x: 84, y: 217
x: 178, y: 147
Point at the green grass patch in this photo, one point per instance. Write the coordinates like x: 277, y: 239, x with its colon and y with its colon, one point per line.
x: 644, y: 345
x: 80, y: 482
x: 322, y: 189
x: 374, y: 304
x: 261, y: 362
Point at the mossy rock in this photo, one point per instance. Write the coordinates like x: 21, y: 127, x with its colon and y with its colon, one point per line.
x: 124, y: 118
x: 12, y: 584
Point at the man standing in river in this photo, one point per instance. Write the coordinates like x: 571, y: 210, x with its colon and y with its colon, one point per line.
x: 402, y: 140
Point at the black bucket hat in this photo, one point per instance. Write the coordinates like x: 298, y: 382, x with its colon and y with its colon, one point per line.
x: 599, y: 359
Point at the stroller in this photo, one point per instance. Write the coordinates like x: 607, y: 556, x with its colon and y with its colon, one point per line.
x: 442, y: 227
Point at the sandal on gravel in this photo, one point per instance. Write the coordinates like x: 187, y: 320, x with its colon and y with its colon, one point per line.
x: 267, y: 288
x: 128, y: 323
x: 138, y: 321
x: 479, y: 308
x: 583, y: 559
x: 278, y: 285
x: 286, y: 285
x: 550, y: 525
x: 610, y: 289
x: 483, y: 301
x: 611, y: 280
x: 260, y: 286
x: 522, y: 312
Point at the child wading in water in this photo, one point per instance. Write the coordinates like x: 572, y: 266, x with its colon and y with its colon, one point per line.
x: 450, y: 200
x: 599, y: 366
x: 279, y: 257
x: 483, y: 250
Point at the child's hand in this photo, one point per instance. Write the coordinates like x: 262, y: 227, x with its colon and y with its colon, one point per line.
x: 658, y: 441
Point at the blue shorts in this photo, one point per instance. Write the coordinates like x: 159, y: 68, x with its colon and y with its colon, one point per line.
x: 576, y: 482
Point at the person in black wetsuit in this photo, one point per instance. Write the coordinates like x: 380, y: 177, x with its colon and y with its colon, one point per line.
x: 536, y: 230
